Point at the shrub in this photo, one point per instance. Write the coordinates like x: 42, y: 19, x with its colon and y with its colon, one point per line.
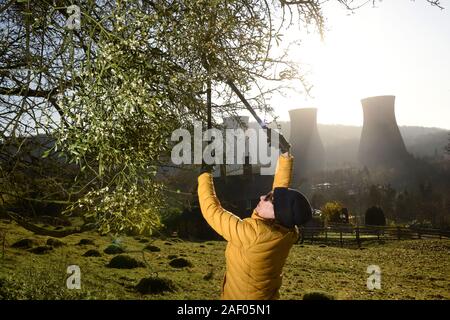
x: 170, y: 219
x: 334, y: 212
x: 375, y: 217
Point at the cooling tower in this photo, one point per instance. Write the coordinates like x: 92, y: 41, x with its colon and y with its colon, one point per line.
x: 307, y: 147
x: 381, y: 143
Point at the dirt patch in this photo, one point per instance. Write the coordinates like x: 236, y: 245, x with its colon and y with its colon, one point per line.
x: 92, y: 253
x: 84, y: 242
x: 41, y: 250
x: 209, y: 275
x: 155, y: 285
x: 55, y: 243
x: 24, y: 244
x: 152, y: 248
x: 124, y: 262
x: 180, y: 263
x: 317, y: 295
x: 113, y: 249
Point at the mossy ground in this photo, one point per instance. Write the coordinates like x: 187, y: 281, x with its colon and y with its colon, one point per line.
x: 411, y: 269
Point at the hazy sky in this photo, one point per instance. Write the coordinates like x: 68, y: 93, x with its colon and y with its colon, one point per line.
x: 400, y: 48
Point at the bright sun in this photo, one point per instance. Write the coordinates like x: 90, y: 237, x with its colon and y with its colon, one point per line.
x: 399, y: 48
x: 347, y: 66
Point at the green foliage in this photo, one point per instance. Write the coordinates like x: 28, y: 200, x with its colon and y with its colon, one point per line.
x: 151, y: 65
x: 331, y: 212
x: 39, y: 187
x: 37, y: 283
x: 170, y: 218
x: 418, y: 264
x: 113, y: 92
x: 127, y: 206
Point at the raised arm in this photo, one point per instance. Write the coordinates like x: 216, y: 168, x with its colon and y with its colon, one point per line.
x: 232, y: 228
x: 283, y: 171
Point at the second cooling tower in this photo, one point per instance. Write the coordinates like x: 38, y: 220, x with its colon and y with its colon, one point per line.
x: 381, y: 143
x: 307, y: 147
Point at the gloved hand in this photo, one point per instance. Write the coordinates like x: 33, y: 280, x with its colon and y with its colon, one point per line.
x: 284, y: 145
x: 209, y: 168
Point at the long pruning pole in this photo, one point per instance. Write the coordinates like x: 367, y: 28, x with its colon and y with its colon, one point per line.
x: 284, y: 144
x: 208, y: 104
x: 247, y: 105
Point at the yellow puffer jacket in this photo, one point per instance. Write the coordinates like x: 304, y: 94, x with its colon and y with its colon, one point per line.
x: 257, y: 248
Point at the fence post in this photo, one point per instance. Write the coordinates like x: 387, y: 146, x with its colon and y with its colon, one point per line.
x: 419, y: 235
x: 358, y: 240
x: 312, y: 237
x: 3, y: 244
x: 398, y: 233
x: 302, y: 230
x: 340, y: 236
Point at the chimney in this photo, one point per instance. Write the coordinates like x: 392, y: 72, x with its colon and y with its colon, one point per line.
x: 247, y: 167
x: 240, y: 122
x: 381, y: 143
x: 307, y: 147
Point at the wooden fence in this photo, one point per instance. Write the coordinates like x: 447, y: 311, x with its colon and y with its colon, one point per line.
x: 348, y: 234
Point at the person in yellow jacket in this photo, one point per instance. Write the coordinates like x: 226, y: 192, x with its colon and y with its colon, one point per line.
x: 258, y: 246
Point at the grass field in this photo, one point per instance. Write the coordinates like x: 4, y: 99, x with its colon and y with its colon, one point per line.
x: 410, y: 269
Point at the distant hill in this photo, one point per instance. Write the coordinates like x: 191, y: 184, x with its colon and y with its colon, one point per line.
x: 341, y: 142
x: 425, y: 142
